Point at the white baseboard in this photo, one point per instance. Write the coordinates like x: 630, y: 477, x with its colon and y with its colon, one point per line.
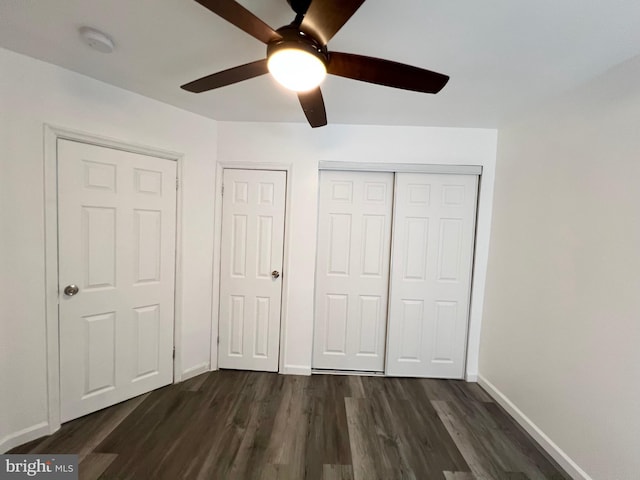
x: 296, y: 370
x: 194, y: 371
x: 353, y: 373
x: 23, y: 436
x: 571, y: 467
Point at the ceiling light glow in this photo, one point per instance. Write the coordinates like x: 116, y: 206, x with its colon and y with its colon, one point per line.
x: 296, y: 69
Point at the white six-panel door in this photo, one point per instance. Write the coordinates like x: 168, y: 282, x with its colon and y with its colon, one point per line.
x: 352, y: 273
x: 117, y: 217
x: 253, y: 209
x: 434, y: 222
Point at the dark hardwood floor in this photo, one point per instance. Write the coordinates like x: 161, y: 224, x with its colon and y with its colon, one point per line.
x: 252, y: 425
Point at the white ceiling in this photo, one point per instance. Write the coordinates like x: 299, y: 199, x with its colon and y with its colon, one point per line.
x: 502, y: 55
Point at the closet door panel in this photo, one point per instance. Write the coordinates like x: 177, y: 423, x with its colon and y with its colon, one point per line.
x: 352, y: 271
x: 434, y: 223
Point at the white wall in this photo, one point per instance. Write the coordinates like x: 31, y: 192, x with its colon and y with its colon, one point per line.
x: 561, y: 326
x: 302, y: 147
x: 33, y: 93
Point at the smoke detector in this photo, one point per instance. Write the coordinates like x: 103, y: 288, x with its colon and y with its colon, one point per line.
x: 96, y: 39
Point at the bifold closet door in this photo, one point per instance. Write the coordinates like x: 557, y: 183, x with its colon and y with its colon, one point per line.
x: 352, y: 272
x: 434, y: 222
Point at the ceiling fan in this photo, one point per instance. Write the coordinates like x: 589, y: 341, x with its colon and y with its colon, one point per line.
x: 298, y: 58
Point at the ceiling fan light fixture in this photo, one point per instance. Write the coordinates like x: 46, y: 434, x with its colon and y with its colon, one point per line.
x: 296, y: 69
x: 298, y: 58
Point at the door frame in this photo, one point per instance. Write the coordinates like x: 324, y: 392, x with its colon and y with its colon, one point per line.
x: 52, y: 134
x: 217, y: 244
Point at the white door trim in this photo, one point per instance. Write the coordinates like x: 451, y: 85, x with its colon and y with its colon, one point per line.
x: 401, y: 167
x: 217, y: 243
x: 51, y: 135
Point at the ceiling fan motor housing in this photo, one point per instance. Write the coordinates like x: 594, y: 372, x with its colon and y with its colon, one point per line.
x: 296, y: 39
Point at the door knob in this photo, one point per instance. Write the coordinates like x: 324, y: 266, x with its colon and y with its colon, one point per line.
x: 275, y: 274
x: 71, y: 290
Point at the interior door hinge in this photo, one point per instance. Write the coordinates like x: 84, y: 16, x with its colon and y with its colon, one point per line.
x: 218, y: 341
x: 177, y: 183
x: 174, y: 353
x: 222, y: 192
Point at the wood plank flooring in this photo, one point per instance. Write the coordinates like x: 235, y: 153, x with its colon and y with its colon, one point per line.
x: 254, y: 425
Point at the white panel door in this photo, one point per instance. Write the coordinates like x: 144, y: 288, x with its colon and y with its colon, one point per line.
x: 253, y: 209
x: 352, y: 272
x: 434, y: 223
x: 116, y: 227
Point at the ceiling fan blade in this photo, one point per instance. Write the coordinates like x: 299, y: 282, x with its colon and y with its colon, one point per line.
x: 385, y: 72
x: 227, y: 77
x: 313, y: 106
x: 325, y: 17
x: 242, y: 18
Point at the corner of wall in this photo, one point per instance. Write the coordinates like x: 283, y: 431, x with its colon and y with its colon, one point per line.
x: 571, y: 467
x: 194, y: 371
x: 23, y: 436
